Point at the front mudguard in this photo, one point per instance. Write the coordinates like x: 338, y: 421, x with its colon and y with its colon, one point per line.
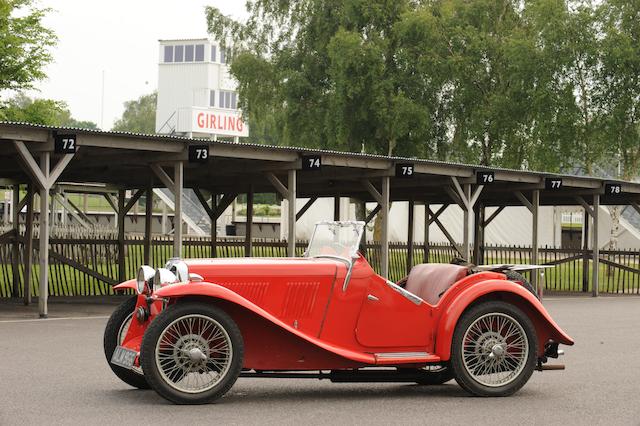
x: 452, y: 308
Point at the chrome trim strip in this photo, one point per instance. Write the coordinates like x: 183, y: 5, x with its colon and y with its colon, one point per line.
x: 387, y: 355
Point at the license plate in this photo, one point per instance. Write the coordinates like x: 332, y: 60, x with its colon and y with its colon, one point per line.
x: 124, y: 357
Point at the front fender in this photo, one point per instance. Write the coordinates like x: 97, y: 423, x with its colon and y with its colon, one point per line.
x: 219, y: 292
x: 546, y: 327
x: 125, y: 285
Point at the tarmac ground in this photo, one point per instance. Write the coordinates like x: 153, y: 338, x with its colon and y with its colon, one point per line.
x: 53, y: 371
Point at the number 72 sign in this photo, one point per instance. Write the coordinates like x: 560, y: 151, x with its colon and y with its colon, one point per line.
x: 64, y: 144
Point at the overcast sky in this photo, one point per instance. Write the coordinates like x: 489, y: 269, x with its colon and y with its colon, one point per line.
x: 120, y: 38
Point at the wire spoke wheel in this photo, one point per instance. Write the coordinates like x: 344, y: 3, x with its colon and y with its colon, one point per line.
x: 193, y: 353
x: 124, y: 328
x: 495, y: 349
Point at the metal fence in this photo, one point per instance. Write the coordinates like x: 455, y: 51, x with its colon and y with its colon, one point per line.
x: 89, y: 266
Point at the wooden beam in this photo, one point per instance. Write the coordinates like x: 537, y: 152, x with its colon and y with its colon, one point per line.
x: 524, y: 200
x: 64, y: 203
x: 164, y: 177
x: 28, y: 247
x: 493, y: 216
x: 595, y: 246
x: 214, y: 225
x: 112, y: 203
x: 434, y: 216
x: 178, y: 179
x: 32, y: 167
x: 15, y: 247
x: 148, y: 223
x: 535, y: 231
x: 132, y: 201
x: 279, y: 186
x: 248, y: 240
x: 43, y: 296
x: 225, y: 202
x: 372, y: 214
x: 204, y: 202
x: 584, y: 204
x: 384, y: 238
x: 373, y: 191
x: 410, y: 235
x: 306, y: 207
x: 292, y: 186
x: 59, y: 168
x: 336, y: 208
x: 82, y: 268
x: 121, y: 223
x: 445, y: 232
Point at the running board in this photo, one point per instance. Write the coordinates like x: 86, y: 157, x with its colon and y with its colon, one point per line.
x: 392, y: 358
x: 340, y: 376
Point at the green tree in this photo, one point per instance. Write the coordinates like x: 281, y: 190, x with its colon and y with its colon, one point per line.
x: 139, y: 115
x: 24, y: 44
x: 325, y: 74
x: 40, y: 111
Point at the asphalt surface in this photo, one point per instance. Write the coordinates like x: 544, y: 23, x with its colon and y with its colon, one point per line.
x: 54, y: 372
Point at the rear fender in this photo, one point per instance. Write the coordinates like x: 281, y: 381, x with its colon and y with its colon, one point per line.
x: 546, y: 327
x: 205, y: 289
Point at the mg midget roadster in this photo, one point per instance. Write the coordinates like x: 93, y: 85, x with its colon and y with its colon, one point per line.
x: 195, y: 326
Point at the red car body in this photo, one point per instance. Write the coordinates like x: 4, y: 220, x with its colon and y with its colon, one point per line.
x: 297, y: 314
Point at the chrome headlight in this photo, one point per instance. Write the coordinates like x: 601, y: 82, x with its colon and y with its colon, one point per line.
x: 143, y: 279
x: 164, y: 277
x: 179, y: 269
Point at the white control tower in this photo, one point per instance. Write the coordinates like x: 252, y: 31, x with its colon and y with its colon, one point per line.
x: 196, y: 95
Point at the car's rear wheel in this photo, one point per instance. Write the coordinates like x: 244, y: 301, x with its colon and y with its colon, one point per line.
x: 114, y: 334
x: 192, y: 353
x: 493, y: 352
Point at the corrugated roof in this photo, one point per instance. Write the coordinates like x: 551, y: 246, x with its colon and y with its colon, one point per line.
x: 303, y: 150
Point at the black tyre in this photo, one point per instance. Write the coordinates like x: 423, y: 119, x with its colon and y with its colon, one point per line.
x: 494, y: 349
x: 516, y: 276
x: 114, y: 333
x: 432, y: 377
x: 192, y: 353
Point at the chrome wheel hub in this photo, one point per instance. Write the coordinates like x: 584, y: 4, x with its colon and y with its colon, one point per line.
x: 193, y: 353
x: 495, y: 349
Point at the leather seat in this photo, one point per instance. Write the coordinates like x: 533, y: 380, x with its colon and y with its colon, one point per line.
x: 430, y: 280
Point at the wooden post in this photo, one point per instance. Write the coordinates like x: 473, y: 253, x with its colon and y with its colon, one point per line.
x: 15, y: 247
x: 384, y: 243
x: 477, y: 234
x: 178, y: 182
x: 248, y: 240
x: 214, y: 225
x: 427, y: 224
x: 336, y: 208
x: 467, y: 225
x: 361, y: 214
x: 595, y: 247
x: 410, y: 236
x: 148, y: 223
x: 45, y: 159
x: 28, y: 247
x: 121, y: 223
x: 585, y: 248
x: 291, y: 183
x: 535, y: 231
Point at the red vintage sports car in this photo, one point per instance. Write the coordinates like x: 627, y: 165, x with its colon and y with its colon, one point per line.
x: 197, y: 325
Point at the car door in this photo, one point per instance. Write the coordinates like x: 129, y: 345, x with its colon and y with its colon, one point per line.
x: 392, y: 317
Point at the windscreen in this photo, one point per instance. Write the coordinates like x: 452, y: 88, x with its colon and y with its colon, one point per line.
x: 335, y: 239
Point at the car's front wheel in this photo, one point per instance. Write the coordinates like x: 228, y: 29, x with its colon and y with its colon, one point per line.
x: 493, y: 352
x: 114, y: 334
x: 192, y: 353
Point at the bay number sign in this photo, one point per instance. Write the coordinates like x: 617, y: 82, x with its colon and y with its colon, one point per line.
x: 64, y: 144
x: 404, y: 170
x: 198, y: 153
x: 311, y: 162
x: 485, y: 177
